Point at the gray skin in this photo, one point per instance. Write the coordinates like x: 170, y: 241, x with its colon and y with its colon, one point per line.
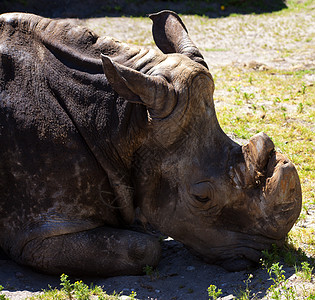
x: 83, y: 155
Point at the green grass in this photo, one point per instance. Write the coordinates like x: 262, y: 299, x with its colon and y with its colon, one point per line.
x: 2, y: 297
x: 281, y: 287
x: 213, y: 292
x: 214, y: 49
x: 77, y: 291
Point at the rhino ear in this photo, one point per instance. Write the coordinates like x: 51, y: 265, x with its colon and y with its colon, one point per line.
x: 118, y: 82
x: 152, y: 91
x: 171, y: 36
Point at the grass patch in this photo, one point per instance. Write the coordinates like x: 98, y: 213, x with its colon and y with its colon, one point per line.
x: 299, y: 287
x: 77, y: 291
x: 2, y: 297
x: 215, y: 49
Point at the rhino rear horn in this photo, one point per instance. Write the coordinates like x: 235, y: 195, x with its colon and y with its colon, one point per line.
x: 152, y: 91
x: 171, y: 36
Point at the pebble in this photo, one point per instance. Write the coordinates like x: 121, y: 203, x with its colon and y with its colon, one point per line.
x: 229, y: 297
x: 190, y: 268
x: 19, y: 275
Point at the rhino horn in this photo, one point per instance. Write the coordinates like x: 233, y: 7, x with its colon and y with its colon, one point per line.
x: 255, y: 156
x: 171, y: 36
x: 152, y: 91
x: 257, y: 153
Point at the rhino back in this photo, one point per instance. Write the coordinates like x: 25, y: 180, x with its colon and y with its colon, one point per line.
x: 63, y: 131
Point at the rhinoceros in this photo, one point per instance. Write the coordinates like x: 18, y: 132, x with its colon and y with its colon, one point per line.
x: 96, y: 135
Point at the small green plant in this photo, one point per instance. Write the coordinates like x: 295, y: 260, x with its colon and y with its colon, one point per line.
x: 284, y: 116
x: 279, y: 289
x: 245, y: 294
x: 81, y: 290
x: 149, y: 271
x: 77, y: 291
x: 247, y: 96
x: 67, y: 285
x: 97, y: 291
x: 114, y: 296
x: 2, y: 297
x: 277, y: 100
x: 289, y: 258
x: 306, y: 271
x: 237, y: 89
x: 270, y: 257
x: 133, y: 295
x: 276, y: 273
x: 300, y: 108
x: 213, y: 292
x: 303, y: 88
x: 118, y: 8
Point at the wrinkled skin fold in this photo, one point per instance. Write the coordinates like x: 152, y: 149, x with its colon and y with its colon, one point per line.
x: 96, y: 134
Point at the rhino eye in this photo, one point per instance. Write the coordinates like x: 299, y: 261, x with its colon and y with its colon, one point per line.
x: 202, y: 191
x: 202, y: 199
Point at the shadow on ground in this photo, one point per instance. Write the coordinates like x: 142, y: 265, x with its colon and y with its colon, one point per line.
x: 180, y: 275
x: 116, y: 8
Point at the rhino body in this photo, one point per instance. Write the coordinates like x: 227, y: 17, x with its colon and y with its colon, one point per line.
x: 84, y: 154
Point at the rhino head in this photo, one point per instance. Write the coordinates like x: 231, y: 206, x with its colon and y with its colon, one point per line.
x: 224, y: 201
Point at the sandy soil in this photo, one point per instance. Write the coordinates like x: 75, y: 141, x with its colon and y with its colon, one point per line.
x: 180, y: 275
x: 252, y: 41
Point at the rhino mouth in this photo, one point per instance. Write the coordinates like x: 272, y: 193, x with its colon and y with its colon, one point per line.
x: 244, y: 253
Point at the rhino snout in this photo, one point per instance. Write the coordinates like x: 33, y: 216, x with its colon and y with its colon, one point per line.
x: 274, y: 178
x: 282, y: 196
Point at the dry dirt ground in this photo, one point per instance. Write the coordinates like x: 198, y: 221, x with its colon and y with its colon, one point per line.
x: 249, y: 40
